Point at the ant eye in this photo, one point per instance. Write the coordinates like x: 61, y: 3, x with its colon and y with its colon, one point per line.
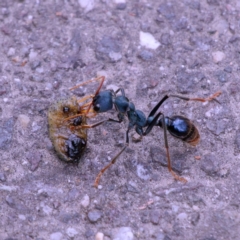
x: 66, y: 109
x: 96, y: 107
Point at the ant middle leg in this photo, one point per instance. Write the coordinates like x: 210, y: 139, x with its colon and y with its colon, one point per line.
x: 96, y: 182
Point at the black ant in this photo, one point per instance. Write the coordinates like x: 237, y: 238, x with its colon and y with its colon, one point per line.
x: 178, y: 126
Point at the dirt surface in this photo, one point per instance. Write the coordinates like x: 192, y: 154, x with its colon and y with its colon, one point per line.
x: 149, y: 48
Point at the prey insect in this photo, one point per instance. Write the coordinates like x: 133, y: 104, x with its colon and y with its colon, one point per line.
x: 68, y: 139
x: 67, y: 121
x: 178, y: 126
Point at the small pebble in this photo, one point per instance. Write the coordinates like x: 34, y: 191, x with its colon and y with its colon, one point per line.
x: 99, y: 236
x: 56, y: 236
x: 182, y: 216
x: 2, y: 177
x: 94, y: 216
x: 11, y: 52
x: 218, y: 56
x: 237, y: 140
x: 71, y: 232
x: 23, y: 120
x: 146, y: 55
x: 123, y: 233
x: 147, y: 40
x: 85, y: 201
x: 88, y: 5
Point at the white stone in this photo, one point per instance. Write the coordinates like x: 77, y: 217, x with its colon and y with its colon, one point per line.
x: 56, y: 236
x: 119, y: 1
x: 46, y: 209
x: 182, y: 216
x: 85, y: 201
x: 32, y: 55
x: 71, y: 232
x: 88, y: 5
x: 142, y: 172
x: 35, y: 127
x: 218, y: 56
x: 23, y: 120
x: 99, y: 236
x: 11, y: 52
x: 147, y: 40
x: 115, y: 56
x: 22, y: 217
x: 123, y: 233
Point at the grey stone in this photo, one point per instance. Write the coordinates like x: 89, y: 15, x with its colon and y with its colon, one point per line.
x: 186, y: 81
x: 6, y: 133
x: 154, y: 216
x: 76, y: 41
x: 94, y: 216
x: 72, y: 195
x: 213, y: 2
x: 222, y: 76
x: 16, y: 204
x: 195, y: 218
x: 237, y: 140
x: 167, y: 10
x: 123, y: 233
x: 145, y: 55
x: 35, y: 64
x: 121, y: 6
x: 209, y: 165
x: 3, y: 177
x: 107, y: 49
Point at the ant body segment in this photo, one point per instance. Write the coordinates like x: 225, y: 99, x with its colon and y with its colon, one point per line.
x: 178, y: 126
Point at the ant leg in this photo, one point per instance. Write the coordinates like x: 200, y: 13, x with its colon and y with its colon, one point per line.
x: 101, y: 78
x: 122, y: 91
x: 99, y: 123
x: 79, y: 115
x: 112, y: 161
x: 85, y: 98
x: 211, y: 98
x: 151, y: 124
x: 154, y: 110
x: 177, y: 177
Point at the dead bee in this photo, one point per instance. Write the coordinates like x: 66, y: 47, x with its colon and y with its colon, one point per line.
x: 69, y: 138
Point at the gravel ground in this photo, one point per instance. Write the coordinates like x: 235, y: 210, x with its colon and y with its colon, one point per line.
x: 149, y: 48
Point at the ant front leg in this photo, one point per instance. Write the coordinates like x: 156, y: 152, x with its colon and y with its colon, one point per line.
x: 101, y: 79
x: 100, y: 123
x: 112, y: 161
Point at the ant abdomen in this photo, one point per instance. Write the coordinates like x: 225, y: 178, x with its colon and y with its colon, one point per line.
x: 182, y: 128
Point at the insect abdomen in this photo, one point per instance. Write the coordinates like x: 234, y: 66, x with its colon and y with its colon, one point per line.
x: 182, y: 128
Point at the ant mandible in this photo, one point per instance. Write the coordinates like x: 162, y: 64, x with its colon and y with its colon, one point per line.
x: 178, y: 126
